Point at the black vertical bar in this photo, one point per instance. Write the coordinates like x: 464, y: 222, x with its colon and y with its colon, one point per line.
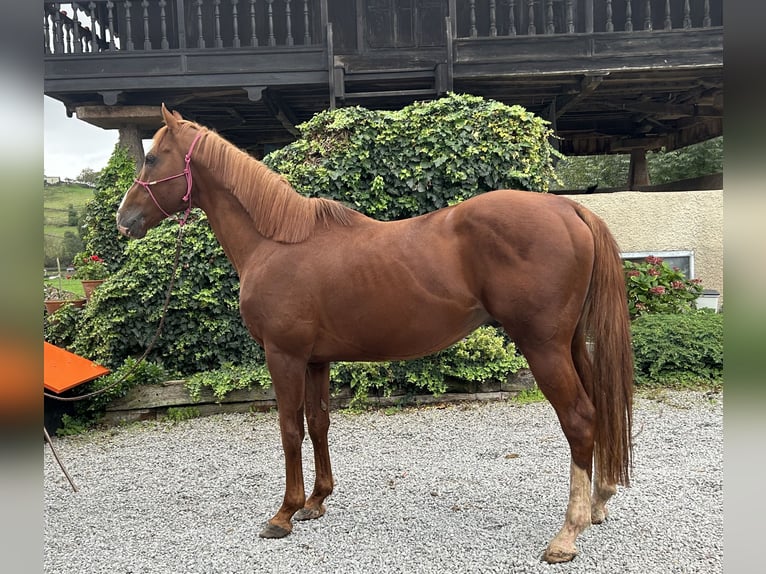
x: 549, y: 28
x: 253, y: 24
x: 648, y: 15
x: 473, y: 31
x: 589, y: 16
x: 217, y: 12
x: 289, y: 22
x: 76, y: 30
x: 200, y: 37
x: 110, y: 25
x: 306, y: 23
x: 128, y: 27
x: 94, y: 45
x: 270, y: 14
x: 609, y: 23
x: 330, y: 64
x: 147, y: 39
x: 164, y: 44
x: 453, y: 16
x: 668, y: 21
x: 46, y: 33
x: 58, y: 30
x: 235, y: 22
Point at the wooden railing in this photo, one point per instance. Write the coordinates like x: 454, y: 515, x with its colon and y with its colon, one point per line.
x: 97, y: 26
x: 489, y: 18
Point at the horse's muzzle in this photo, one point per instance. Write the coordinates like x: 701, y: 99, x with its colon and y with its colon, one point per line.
x: 131, y: 227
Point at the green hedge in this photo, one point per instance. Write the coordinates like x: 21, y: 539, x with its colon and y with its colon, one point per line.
x: 678, y: 350
x: 398, y: 164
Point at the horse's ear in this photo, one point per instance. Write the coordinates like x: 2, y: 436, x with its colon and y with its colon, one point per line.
x: 171, y: 120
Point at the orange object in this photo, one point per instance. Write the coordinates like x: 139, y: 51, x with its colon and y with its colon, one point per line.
x: 65, y: 370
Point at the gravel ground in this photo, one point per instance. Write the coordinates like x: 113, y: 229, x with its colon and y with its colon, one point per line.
x: 421, y: 490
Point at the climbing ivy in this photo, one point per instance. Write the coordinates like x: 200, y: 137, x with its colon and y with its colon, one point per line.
x: 398, y: 164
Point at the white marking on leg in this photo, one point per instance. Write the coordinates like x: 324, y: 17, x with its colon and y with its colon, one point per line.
x: 562, y: 548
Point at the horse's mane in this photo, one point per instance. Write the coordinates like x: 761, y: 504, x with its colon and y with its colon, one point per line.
x: 278, y: 211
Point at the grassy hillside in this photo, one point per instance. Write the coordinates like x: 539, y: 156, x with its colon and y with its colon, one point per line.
x: 57, y: 200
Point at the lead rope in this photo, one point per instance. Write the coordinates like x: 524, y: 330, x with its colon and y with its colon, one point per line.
x: 141, y: 359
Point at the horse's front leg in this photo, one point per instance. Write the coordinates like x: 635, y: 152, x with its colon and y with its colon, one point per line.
x: 318, y: 417
x: 288, y: 376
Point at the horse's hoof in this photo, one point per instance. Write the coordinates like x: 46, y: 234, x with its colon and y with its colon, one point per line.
x: 598, y: 515
x: 309, y: 513
x: 273, y: 531
x: 558, y: 555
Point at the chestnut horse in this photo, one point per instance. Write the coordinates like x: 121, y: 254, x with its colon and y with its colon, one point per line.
x: 320, y: 282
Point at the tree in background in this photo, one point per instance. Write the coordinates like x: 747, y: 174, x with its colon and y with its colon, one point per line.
x: 88, y: 177
x: 607, y: 171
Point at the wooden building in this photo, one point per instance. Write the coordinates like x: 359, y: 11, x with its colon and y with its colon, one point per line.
x: 613, y: 76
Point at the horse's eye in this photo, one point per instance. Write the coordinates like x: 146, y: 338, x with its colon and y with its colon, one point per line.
x: 150, y: 159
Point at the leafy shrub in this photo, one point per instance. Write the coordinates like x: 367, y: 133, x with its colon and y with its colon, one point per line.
x: 228, y: 378
x: 202, y: 328
x: 100, y: 236
x: 484, y: 355
x: 397, y: 164
x: 678, y: 350
x: 653, y: 287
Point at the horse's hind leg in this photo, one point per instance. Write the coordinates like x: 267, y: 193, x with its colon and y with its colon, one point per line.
x: 602, y: 492
x: 555, y: 373
x: 318, y: 418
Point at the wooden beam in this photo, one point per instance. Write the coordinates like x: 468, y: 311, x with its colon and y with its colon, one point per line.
x: 588, y: 85
x: 638, y: 174
x: 280, y: 110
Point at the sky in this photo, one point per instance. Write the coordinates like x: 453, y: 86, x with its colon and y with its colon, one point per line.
x: 71, y: 145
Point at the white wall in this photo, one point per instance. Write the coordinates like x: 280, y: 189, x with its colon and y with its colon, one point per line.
x: 667, y: 221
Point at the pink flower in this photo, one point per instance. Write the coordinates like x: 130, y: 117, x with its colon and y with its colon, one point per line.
x: 677, y: 284
x: 634, y: 273
x: 659, y: 290
x: 652, y: 260
x: 653, y: 272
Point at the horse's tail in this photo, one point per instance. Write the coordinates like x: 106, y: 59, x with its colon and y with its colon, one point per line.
x: 606, y: 323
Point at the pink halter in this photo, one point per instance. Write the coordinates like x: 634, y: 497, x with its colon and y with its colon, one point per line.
x: 185, y: 173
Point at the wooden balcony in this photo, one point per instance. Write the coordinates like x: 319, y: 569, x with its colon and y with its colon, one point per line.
x: 612, y: 76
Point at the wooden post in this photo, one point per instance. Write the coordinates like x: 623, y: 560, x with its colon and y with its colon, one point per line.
x: 589, y: 16
x: 638, y: 174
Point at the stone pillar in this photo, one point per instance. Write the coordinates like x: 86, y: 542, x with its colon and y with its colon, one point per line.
x: 133, y: 123
x: 130, y: 139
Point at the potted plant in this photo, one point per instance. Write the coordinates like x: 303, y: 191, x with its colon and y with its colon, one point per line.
x: 55, y: 297
x: 91, y: 271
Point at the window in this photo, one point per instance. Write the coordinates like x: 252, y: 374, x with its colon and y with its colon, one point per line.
x: 684, y: 260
